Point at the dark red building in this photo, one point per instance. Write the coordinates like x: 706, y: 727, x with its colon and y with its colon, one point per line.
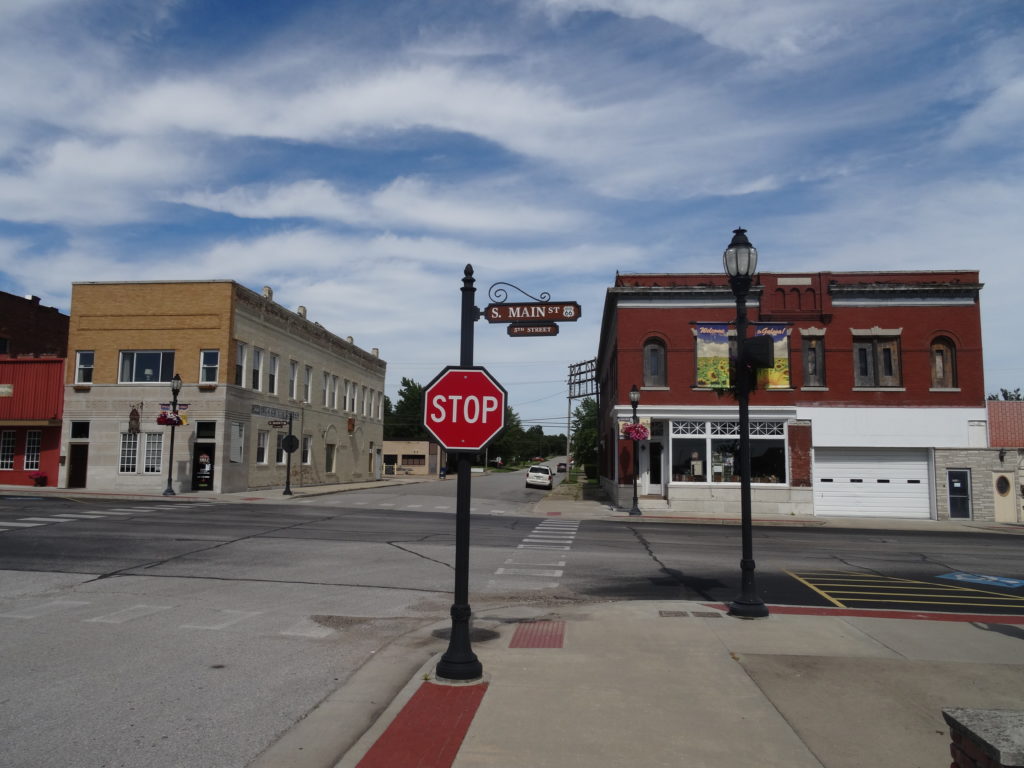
x: 873, y: 371
x: 31, y: 408
x: 29, y: 328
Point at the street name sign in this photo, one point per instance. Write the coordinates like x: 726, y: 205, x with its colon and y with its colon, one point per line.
x: 539, y: 311
x: 464, y: 408
x: 539, y: 329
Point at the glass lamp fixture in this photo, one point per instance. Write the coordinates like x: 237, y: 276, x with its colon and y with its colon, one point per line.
x: 740, y: 258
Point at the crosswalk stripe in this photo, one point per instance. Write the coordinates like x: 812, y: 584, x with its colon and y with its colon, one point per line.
x: 22, y: 525
x: 127, y: 614
x: 42, y: 520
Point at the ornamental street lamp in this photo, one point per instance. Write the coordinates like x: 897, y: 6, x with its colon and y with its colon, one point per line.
x: 175, y: 389
x: 634, y: 400
x: 740, y: 261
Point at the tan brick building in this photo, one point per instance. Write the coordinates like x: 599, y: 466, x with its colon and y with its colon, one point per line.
x: 247, y: 364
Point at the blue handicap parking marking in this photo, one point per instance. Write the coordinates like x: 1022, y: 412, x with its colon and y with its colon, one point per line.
x: 977, y: 578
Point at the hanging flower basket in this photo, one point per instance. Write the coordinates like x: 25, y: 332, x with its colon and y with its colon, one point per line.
x: 635, y: 432
x: 167, y: 419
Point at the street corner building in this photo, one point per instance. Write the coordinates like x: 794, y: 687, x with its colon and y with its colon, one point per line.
x: 251, y: 371
x: 33, y: 346
x: 873, y: 404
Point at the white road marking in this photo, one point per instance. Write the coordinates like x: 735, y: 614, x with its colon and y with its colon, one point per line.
x: 79, y: 517
x: 127, y: 614
x: 527, y: 572
x: 22, y: 525
x: 233, y: 618
x: 42, y: 520
x: 556, y: 564
x: 542, y: 546
x: 44, y: 608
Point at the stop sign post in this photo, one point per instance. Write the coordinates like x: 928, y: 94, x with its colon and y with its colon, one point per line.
x: 464, y: 408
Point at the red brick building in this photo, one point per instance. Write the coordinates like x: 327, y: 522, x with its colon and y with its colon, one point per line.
x: 874, y: 371
x: 31, y: 406
x: 28, y: 328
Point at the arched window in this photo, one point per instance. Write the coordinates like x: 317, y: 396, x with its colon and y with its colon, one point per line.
x: 943, y: 361
x: 654, y: 364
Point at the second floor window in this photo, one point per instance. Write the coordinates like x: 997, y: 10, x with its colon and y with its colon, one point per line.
x: 814, y: 361
x: 654, y: 364
x: 83, y: 366
x: 240, y: 364
x: 272, y: 374
x: 257, y: 368
x: 293, y: 379
x: 146, y: 366
x: 876, y: 362
x: 943, y: 364
x: 307, y: 385
x: 209, y: 366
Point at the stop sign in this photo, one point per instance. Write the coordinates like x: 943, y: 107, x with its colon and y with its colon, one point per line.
x: 464, y: 408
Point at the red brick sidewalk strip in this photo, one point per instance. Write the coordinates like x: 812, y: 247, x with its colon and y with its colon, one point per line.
x: 429, y: 730
x: 539, y: 634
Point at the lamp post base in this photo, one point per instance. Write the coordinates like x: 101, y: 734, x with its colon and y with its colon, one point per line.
x: 746, y: 608
x: 169, y: 492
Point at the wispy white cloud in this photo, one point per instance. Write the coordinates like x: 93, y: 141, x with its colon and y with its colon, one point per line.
x: 405, y: 202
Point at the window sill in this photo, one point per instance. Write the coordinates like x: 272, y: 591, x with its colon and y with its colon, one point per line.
x: 814, y: 389
x: 944, y: 389
x: 879, y: 389
x: 655, y: 389
x: 82, y: 387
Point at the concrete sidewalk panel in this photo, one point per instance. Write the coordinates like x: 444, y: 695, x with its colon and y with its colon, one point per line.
x: 853, y: 712
x: 800, y: 636
x: 628, y: 688
x: 963, y: 641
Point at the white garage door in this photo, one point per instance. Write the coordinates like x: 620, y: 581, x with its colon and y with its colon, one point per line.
x: 872, y: 482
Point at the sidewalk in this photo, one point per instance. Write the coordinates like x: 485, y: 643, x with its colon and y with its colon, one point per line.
x: 673, y: 683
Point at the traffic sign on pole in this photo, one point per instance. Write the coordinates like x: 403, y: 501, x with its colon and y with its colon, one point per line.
x: 464, y: 408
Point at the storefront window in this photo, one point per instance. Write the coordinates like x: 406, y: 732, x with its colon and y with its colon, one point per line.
x: 708, y: 452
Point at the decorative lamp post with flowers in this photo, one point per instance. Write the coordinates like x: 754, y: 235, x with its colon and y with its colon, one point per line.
x: 635, y: 432
x: 174, y: 420
x: 740, y: 262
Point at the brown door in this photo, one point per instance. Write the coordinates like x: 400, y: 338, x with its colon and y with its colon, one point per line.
x: 78, y: 464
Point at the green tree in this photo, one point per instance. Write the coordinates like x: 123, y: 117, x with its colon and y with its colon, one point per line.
x: 406, y: 416
x: 584, y: 432
x: 1007, y: 394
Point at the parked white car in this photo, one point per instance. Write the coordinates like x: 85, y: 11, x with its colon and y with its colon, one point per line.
x: 539, y: 476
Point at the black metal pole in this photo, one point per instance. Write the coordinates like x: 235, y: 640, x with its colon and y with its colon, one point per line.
x: 288, y: 462
x: 636, y: 465
x: 169, y: 491
x: 748, y: 605
x: 459, y: 662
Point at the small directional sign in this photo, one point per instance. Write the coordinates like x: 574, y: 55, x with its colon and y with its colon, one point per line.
x: 538, y: 311
x: 540, y: 329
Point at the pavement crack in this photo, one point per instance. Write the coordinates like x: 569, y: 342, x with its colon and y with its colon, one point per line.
x: 397, y: 545
x: 674, y: 576
x: 218, y: 545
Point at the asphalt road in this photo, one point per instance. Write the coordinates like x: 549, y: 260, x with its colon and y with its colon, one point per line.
x: 175, y: 633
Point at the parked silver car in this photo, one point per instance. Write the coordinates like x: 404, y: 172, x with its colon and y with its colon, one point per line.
x: 539, y: 476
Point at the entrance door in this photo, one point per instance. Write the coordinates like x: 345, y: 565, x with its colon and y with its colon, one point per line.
x: 202, y: 466
x: 1005, y: 498
x: 959, y: 484
x: 78, y: 464
x: 651, y: 469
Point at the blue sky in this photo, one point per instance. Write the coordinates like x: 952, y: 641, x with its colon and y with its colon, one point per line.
x: 355, y: 156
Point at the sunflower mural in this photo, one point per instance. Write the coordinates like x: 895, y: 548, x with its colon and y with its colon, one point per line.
x: 713, y: 355
x: 776, y: 377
